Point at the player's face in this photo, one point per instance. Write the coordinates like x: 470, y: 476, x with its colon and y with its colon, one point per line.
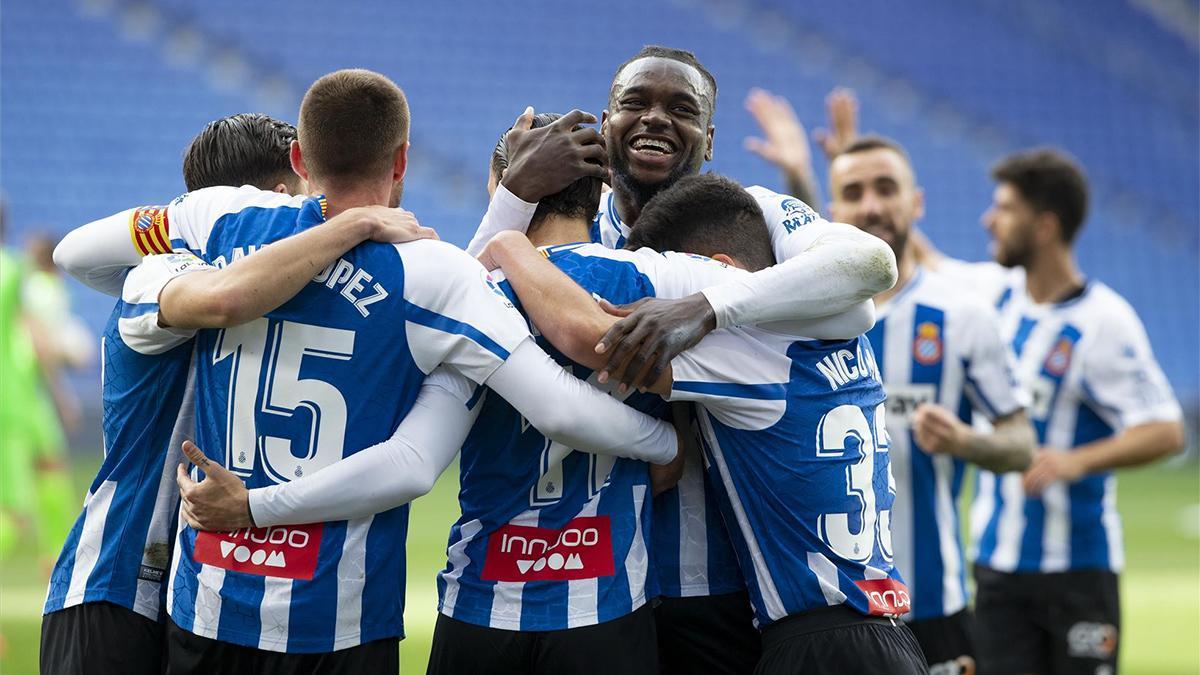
x: 875, y: 191
x: 1011, y: 221
x: 657, y: 127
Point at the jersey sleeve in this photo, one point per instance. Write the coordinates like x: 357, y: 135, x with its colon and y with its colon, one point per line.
x: 736, y: 377
x: 455, y: 313
x: 190, y: 218
x: 138, y: 325
x: 1121, y: 377
x: 990, y: 383
x: 676, y: 275
x: 794, y: 225
x: 506, y: 211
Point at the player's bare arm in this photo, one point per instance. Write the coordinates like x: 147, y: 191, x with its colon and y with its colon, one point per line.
x: 1134, y: 446
x: 1008, y: 447
x: 257, y: 284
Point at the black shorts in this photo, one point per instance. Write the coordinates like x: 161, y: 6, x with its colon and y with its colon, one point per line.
x: 837, y: 640
x: 948, y: 643
x: 707, y: 634
x: 625, y: 645
x: 100, y: 637
x: 1060, y: 622
x: 191, y: 653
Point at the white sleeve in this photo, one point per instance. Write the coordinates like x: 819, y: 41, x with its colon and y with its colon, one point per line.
x: 506, y: 211
x: 843, y: 267
x: 990, y: 384
x: 1122, y: 378
x: 100, y: 253
x: 577, y: 415
x: 455, y: 314
x: 138, y: 325
x: 849, y: 324
x: 382, y: 476
x: 739, y: 379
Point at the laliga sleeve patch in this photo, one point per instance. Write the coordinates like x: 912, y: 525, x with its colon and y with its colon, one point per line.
x: 149, y: 230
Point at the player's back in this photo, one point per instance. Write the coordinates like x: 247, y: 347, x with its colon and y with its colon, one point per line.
x: 550, y: 538
x: 330, y: 372
x: 793, y: 433
x: 119, y: 548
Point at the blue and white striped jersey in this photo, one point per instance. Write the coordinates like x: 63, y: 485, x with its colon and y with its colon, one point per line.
x: 693, y: 555
x: 936, y: 344
x: 119, y: 549
x: 1088, y: 365
x: 331, y: 371
x: 793, y: 433
x: 551, y: 538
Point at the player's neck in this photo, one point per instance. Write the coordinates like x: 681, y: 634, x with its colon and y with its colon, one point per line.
x: 906, y: 267
x: 627, y: 206
x: 554, y: 230
x: 343, y: 199
x: 1052, y: 275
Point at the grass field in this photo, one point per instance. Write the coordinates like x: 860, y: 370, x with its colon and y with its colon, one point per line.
x: 1160, y: 588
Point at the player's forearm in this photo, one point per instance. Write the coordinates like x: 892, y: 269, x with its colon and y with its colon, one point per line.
x: 258, y: 283
x: 1134, y: 446
x: 564, y: 313
x: 849, y: 324
x: 100, y: 253
x: 1008, y: 447
x: 378, y: 478
x: 577, y: 415
x: 505, y: 212
x: 836, y: 273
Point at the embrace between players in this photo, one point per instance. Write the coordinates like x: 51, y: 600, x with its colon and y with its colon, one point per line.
x: 330, y: 377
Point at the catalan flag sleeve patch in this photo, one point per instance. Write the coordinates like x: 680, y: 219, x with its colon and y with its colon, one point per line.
x: 149, y: 229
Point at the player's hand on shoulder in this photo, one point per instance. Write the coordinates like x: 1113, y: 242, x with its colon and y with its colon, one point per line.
x: 1049, y: 466
x: 938, y: 431
x: 219, y: 502
x: 653, y: 332
x: 545, y: 160
x: 392, y: 226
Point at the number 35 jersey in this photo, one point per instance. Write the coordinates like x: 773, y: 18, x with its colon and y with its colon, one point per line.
x: 328, y: 373
x: 793, y: 436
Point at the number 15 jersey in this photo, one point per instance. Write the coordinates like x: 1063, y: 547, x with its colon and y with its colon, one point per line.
x: 331, y: 371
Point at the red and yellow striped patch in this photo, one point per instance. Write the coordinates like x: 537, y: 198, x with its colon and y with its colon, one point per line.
x: 150, y: 231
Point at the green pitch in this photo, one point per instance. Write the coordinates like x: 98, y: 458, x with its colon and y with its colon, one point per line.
x: 1160, y: 588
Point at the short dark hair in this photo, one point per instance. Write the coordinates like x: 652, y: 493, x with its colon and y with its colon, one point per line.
x: 1050, y: 180
x: 351, y: 123
x: 242, y: 149
x: 871, y: 142
x: 681, y: 55
x: 705, y: 214
x: 580, y: 199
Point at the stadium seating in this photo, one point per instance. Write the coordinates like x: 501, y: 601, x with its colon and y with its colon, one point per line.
x: 100, y: 98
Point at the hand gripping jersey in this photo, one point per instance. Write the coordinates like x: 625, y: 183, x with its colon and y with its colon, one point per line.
x: 332, y: 371
x: 692, y: 548
x: 793, y: 432
x: 119, y: 550
x: 935, y: 344
x: 1088, y: 364
x: 552, y: 538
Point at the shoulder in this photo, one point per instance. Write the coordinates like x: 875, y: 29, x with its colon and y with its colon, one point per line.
x: 1106, y: 310
x: 948, y: 294
x: 234, y: 199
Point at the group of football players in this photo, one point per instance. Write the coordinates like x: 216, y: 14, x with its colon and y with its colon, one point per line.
x: 666, y: 393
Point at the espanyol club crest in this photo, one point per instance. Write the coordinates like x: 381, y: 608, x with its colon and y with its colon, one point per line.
x: 927, y: 347
x: 1060, y: 358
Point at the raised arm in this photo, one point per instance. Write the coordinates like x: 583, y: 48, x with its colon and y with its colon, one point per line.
x: 257, y: 284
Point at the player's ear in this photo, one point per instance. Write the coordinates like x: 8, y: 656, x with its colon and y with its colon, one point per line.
x: 400, y: 163
x: 280, y: 188
x: 918, y: 204
x: 603, y: 121
x: 297, y: 158
x: 708, y: 152
x: 728, y: 260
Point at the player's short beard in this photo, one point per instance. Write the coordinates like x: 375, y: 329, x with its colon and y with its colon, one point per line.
x: 643, y: 192
x: 1018, y: 253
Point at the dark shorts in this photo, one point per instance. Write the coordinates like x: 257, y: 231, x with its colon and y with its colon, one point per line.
x: 948, y: 643
x: 625, y: 645
x: 707, y: 634
x: 101, y: 638
x: 1061, y: 622
x: 191, y: 653
x: 838, y: 640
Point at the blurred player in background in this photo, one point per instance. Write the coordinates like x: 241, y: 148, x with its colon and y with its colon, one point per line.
x: 658, y: 129
x: 941, y: 355
x: 1048, y: 544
